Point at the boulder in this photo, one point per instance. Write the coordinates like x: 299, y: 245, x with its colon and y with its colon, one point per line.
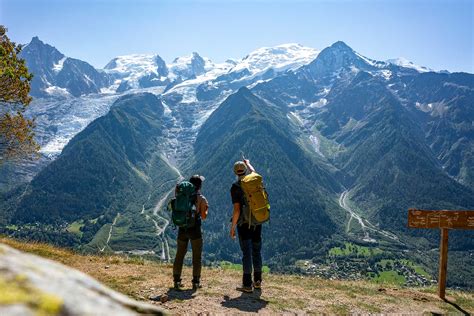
x: 31, y: 285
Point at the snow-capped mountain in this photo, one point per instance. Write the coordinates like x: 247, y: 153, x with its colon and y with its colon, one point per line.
x: 403, y: 62
x: 279, y: 58
x: 191, y: 86
x: 191, y: 66
x: 56, y: 74
x: 69, y: 106
x: 130, y: 71
x: 260, y: 65
x: 136, y: 71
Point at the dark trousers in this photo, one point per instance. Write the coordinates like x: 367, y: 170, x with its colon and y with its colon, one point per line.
x: 250, y: 240
x: 184, y: 236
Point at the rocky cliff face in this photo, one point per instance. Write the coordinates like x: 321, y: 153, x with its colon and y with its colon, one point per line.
x: 31, y: 285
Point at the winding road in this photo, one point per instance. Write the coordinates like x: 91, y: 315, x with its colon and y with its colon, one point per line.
x: 343, y: 204
x: 365, y: 227
x: 110, y: 232
x: 160, y: 231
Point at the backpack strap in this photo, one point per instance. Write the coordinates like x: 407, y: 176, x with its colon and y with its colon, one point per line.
x: 243, y: 208
x: 195, y: 197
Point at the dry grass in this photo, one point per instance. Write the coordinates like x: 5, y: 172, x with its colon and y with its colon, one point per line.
x: 142, y: 279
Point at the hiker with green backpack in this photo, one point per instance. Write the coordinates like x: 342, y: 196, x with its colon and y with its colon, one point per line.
x: 187, y: 209
x: 251, y: 210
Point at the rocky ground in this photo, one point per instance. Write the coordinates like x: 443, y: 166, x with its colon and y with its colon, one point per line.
x: 150, y: 282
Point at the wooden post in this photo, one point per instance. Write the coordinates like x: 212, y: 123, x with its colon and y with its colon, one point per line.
x: 444, y: 220
x: 443, y: 262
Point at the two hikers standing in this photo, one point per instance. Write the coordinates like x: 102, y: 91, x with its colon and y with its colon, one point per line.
x: 250, y: 210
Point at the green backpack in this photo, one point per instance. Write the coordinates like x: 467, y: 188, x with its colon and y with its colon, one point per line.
x: 183, y: 206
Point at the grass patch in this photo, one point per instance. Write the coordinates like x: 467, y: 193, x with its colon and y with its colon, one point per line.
x: 340, y: 309
x: 121, y: 226
x: 418, y: 269
x: 355, y: 289
x: 369, y: 307
x: 41, y: 249
x: 75, y: 227
x: 390, y: 277
x: 278, y: 304
x: 329, y: 148
x: 100, y: 237
x: 226, y: 265
x: 353, y: 249
x: 135, y: 260
x: 136, y: 278
x: 465, y: 300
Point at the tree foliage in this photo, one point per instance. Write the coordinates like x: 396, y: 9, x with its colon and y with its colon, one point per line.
x: 16, y: 131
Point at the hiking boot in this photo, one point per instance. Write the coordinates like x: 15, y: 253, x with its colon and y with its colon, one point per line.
x: 257, y: 285
x: 178, y: 285
x: 245, y: 289
x: 196, y: 286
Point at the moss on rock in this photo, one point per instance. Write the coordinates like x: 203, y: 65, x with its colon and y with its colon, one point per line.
x: 16, y: 290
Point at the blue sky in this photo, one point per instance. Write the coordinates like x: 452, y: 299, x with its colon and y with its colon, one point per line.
x: 437, y: 34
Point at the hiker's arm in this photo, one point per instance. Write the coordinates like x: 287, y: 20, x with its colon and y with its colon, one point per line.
x: 235, y: 218
x: 203, y: 207
x: 247, y: 163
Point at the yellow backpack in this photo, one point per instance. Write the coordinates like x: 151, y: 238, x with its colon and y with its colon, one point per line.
x: 256, y: 197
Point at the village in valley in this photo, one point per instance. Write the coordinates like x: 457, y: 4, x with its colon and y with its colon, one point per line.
x: 353, y: 262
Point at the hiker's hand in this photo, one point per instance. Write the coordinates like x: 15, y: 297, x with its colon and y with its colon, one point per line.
x: 232, y: 232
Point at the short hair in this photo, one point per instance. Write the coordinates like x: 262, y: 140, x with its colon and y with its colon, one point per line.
x: 196, y: 181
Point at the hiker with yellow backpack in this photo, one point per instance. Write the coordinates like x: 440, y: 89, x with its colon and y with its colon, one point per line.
x: 251, y: 210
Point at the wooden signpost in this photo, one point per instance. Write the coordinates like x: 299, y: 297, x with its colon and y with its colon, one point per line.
x: 443, y: 220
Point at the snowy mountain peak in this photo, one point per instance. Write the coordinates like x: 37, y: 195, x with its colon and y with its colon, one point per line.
x: 56, y: 74
x: 137, y: 70
x: 36, y: 40
x: 278, y: 58
x: 187, y: 59
x: 340, y: 45
x: 403, y: 62
x: 190, y: 66
x: 37, y: 46
x: 134, y: 63
x: 340, y: 56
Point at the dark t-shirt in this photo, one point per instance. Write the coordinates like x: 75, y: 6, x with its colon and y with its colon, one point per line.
x: 237, y: 194
x: 253, y: 232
